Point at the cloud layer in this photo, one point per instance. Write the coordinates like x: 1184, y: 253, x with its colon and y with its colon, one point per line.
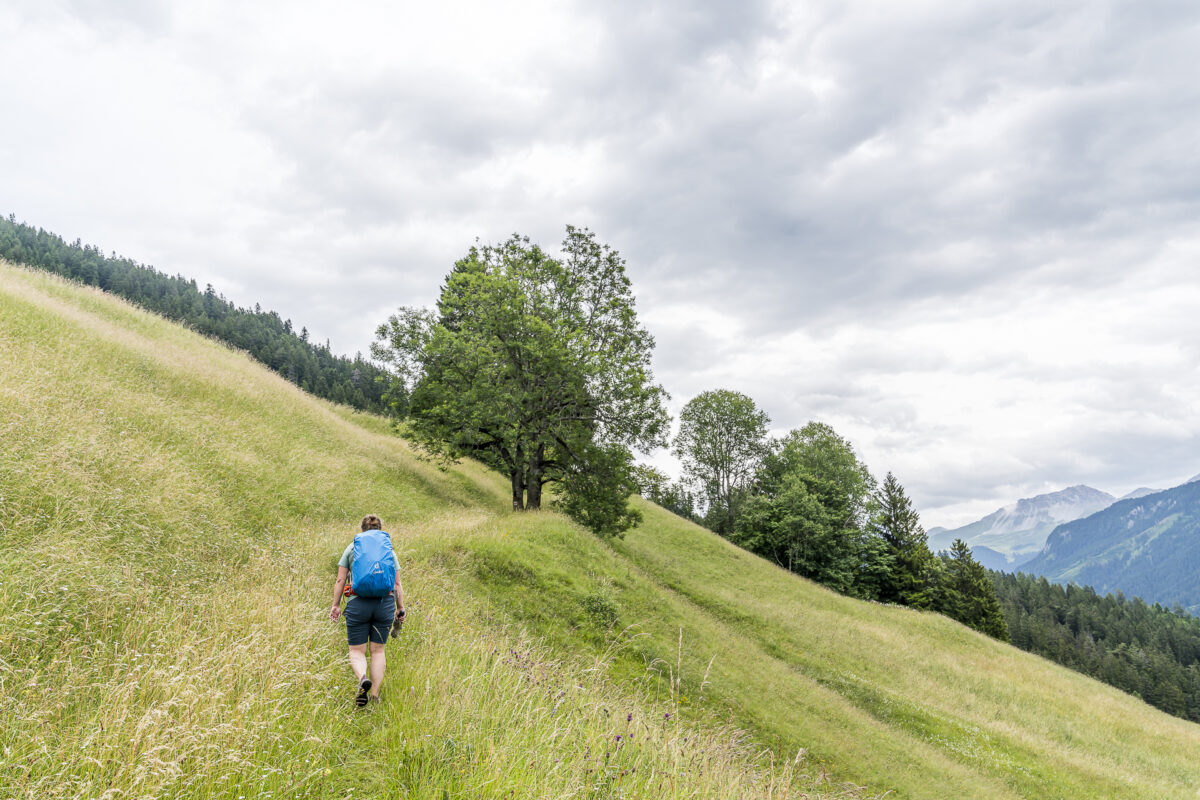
x: 962, y: 234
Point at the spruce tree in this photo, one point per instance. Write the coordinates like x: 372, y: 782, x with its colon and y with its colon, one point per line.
x: 899, y: 525
x: 968, y: 594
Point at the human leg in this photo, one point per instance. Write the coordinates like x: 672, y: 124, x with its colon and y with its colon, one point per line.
x: 358, y: 660
x: 381, y: 626
x: 378, y: 663
x: 358, y: 622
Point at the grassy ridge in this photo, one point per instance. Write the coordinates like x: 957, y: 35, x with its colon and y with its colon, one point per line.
x: 171, y: 514
x: 884, y: 696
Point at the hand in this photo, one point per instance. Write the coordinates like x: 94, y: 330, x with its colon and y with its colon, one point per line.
x: 399, y: 613
x: 335, y: 612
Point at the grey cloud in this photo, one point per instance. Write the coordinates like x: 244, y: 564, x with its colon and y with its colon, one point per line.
x: 139, y: 17
x: 813, y: 168
x: 741, y: 187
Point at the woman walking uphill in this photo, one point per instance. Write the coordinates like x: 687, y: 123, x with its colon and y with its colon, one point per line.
x: 376, y: 601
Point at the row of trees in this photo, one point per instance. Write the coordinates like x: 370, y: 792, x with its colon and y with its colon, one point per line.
x: 1146, y: 650
x: 806, y: 502
x: 263, y: 334
x: 537, y: 365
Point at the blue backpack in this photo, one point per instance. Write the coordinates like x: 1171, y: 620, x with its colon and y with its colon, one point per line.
x: 373, y: 572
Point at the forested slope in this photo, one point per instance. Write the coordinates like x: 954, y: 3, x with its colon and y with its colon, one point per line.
x: 263, y: 334
x: 1147, y: 547
x: 171, y: 513
x: 1147, y: 650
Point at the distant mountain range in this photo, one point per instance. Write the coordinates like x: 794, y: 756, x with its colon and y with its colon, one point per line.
x: 1147, y: 546
x: 1012, y: 535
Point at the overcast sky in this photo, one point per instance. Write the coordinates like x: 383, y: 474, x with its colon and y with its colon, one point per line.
x: 967, y: 235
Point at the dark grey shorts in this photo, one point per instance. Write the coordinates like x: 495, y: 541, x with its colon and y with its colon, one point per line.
x: 369, y: 618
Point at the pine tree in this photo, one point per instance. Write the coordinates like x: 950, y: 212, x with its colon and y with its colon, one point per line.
x: 968, y: 594
x: 899, y: 525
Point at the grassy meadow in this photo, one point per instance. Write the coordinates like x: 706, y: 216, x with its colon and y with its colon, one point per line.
x: 171, y: 515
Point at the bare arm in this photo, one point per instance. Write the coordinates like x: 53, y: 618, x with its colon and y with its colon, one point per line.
x: 399, y: 596
x: 338, y: 587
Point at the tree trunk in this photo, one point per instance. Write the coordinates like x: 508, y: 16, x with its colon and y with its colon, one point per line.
x: 518, y: 488
x: 533, y: 480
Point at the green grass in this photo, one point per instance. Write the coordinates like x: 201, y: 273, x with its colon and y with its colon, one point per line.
x: 171, y: 515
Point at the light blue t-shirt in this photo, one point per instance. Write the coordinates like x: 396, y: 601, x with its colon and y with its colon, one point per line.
x: 347, y: 559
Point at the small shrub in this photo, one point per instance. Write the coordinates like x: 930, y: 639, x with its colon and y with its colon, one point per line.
x: 601, y: 609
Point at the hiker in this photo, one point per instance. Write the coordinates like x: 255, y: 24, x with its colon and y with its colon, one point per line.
x: 376, y: 603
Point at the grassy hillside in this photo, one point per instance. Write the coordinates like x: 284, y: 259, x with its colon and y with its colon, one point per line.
x: 171, y: 515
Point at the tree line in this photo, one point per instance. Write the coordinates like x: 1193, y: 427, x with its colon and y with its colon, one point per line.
x: 537, y: 365
x: 806, y: 502
x: 1146, y: 650
x: 263, y: 334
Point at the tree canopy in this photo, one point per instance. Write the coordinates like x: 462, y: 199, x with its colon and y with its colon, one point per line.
x: 722, y: 438
x: 807, y: 510
x: 912, y: 580
x: 805, y: 527
x: 538, y: 366
x: 967, y: 593
x: 817, y: 450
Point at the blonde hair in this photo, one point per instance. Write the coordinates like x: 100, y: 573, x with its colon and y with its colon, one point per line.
x: 372, y: 523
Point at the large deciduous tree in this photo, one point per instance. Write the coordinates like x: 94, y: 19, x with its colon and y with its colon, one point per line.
x: 818, y: 450
x: 722, y: 438
x: 809, y: 511
x: 538, y: 366
x: 805, y: 527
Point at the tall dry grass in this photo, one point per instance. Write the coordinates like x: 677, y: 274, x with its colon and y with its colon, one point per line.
x: 170, y: 516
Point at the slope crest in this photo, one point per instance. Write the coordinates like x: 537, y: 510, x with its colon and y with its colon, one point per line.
x: 186, y: 508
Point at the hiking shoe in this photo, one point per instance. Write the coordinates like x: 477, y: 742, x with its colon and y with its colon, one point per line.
x: 364, y: 687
